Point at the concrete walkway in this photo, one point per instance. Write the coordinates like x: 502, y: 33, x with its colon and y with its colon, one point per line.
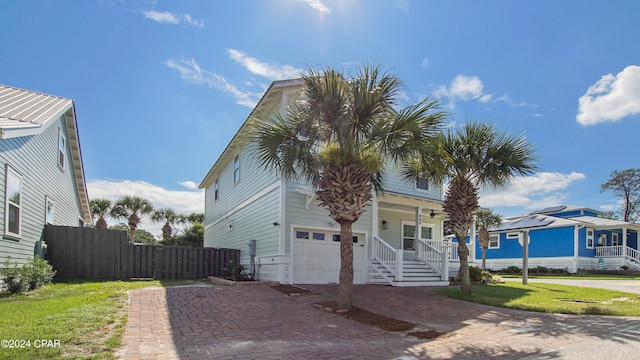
x: 256, y: 322
x: 631, y: 286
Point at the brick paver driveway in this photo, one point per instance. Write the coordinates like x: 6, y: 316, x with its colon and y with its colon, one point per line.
x: 256, y: 322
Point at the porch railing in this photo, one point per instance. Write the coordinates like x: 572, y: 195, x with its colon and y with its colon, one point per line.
x: 609, y: 251
x: 617, y: 251
x: 390, y: 257
x: 436, y: 258
x: 451, y: 248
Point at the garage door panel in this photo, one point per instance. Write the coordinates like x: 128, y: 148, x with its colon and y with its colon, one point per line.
x: 317, y: 257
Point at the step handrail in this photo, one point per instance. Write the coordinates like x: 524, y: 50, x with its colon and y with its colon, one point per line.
x: 437, y: 259
x: 388, y: 256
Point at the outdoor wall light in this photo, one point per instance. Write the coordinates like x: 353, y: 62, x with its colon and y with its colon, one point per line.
x: 276, y: 223
x: 385, y: 224
x: 433, y: 214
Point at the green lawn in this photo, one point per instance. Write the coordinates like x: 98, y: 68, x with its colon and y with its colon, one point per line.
x: 552, y: 298
x: 575, y: 277
x: 77, y: 319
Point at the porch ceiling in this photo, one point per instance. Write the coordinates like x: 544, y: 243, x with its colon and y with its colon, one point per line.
x: 406, y: 203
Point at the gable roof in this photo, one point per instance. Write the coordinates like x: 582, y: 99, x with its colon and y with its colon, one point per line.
x: 26, y: 113
x: 271, y: 95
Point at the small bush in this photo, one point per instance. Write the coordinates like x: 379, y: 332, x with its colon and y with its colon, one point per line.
x: 487, y: 277
x: 475, y: 273
x: 512, y: 270
x: 235, y: 271
x: 32, y: 275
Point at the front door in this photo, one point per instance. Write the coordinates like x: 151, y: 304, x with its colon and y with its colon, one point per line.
x: 409, y: 235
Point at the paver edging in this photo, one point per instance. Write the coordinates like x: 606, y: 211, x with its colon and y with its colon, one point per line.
x: 221, y: 281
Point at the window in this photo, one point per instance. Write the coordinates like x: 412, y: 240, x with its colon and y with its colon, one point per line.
x: 61, y: 149
x: 422, y: 184
x: 216, y: 190
x: 13, y: 203
x: 336, y: 237
x: 494, y: 242
x: 49, y: 210
x: 602, y: 239
x: 236, y: 169
x: 615, y: 239
x: 589, y: 238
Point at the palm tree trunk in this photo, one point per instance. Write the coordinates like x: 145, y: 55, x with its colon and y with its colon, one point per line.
x: 463, y: 255
x: 345, y: 291
x: 484, y: 258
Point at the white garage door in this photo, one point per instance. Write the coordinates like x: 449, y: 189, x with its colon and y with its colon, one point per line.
x: 317, y: 257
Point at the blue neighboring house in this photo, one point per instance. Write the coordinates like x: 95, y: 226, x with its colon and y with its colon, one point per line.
x: 41, y: 170
x: 563, y: 236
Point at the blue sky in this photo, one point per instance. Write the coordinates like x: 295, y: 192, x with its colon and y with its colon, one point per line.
x: 160, y: 87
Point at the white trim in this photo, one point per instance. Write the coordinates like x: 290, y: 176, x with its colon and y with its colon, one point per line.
x: 593, y: 238
x: 512, y: 235
x: 283, y: 211
x: 10, y: 171
x: 615, y: 239
x: 497, y: 236
x: 245, y: 203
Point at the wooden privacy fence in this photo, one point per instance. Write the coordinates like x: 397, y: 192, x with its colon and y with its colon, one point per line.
x: 91, y: 253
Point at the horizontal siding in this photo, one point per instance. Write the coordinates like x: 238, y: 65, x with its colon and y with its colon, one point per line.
x: 35, y: 159
x: 254, y: 221
x: 393, y: 182
x: 253, y: 178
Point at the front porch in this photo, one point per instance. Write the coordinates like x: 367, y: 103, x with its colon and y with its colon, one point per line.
x: 619, y: 256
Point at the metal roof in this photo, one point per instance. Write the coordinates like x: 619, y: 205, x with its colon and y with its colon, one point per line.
x: 23, y: 109
x: 26, y: 113
x: 608, y: 223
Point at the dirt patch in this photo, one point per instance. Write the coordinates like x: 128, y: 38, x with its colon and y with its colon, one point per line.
x: 368, y: 318
x: 292, y: 290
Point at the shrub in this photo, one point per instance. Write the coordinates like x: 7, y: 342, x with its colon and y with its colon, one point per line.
x: 234, y: 270
x: 475, y: 273
x: 487, y: 277
x: 512, y: 270
x: 38, y: 272
x: 32, y: 275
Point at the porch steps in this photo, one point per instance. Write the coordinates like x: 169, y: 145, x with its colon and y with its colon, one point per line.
x: 632, y: 263
x: 414, y: 273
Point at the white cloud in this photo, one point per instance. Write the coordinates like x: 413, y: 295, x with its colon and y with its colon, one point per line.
x: 318, y: 5
x: 611, y: 98
x: 191, y: 71
x: 189, y: 185
x: 181, y: 201
x: 425, y: 63
x: 172, y: 18
x: 464, y: 88
x: 269, y: 71
x: 540, y: 190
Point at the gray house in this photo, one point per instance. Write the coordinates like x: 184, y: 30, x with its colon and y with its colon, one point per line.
x: 398, y: 240
x: 41, y: 169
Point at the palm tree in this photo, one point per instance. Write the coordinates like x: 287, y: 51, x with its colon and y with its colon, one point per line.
x: 486, y: 219
x: 169, y: 217
x: 473, y: 155
x: 131, y: 208
x: 338, y: 137
x: 100, y: 208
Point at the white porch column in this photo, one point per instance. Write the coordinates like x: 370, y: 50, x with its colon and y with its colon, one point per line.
x: 624, y: 240
x: 418, y: 222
